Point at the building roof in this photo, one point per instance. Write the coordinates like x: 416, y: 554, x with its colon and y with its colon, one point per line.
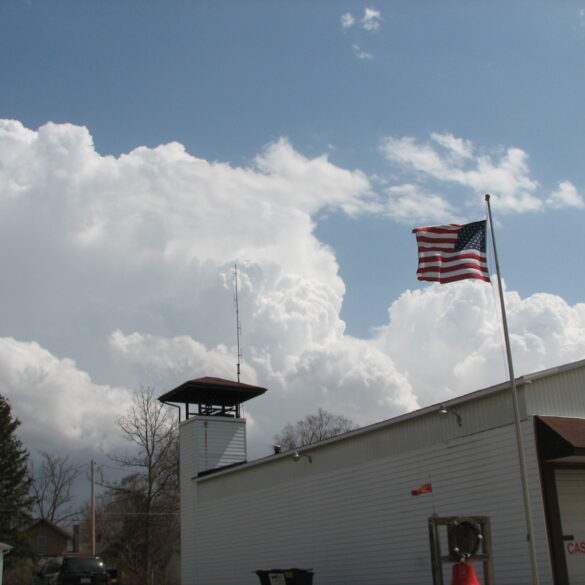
x: 431, y: 409
x: 210, y: 390
x: 563, y: 438
x: 52, y: 526
x: 570, y: 429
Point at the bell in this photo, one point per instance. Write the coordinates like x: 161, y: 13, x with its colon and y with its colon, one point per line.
x: 464, y: 574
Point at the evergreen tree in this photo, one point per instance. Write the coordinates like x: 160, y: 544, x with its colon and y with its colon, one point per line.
x: 15, y: 486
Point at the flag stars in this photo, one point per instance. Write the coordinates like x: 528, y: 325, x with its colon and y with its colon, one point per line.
x: 472, y: 236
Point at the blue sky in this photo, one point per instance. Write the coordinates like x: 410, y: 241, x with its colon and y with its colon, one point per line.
x: 303, y: 125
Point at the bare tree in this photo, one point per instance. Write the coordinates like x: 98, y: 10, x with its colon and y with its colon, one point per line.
x: 52, y: 488
x: 146, y: 500
x: 313, y: 428
x: 122, y: 526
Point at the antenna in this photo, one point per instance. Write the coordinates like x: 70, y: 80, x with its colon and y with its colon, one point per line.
x: 238, y: 325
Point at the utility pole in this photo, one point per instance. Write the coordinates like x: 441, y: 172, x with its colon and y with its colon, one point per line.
x: 93, y: 507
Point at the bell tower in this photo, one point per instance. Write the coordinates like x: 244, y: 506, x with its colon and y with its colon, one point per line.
x: 211, y: 437
x: 213, y: 433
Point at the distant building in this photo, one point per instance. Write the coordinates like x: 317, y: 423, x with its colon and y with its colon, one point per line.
x: 345, y: 508
x: 48, y: 539
x: 4, y: 549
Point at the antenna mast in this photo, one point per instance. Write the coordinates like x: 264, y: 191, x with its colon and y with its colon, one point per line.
x: 238, y: 326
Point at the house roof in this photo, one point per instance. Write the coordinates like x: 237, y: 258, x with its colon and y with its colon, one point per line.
x: 52, y: 526
x: 210, y: 390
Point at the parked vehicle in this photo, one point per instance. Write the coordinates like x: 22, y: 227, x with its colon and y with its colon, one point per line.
x: 72, y: 570
x: 115, y: 577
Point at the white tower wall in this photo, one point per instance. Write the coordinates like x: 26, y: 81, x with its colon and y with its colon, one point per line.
x: 205, y: 443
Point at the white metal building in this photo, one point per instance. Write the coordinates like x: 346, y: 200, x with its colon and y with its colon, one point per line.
x: 344, y: 507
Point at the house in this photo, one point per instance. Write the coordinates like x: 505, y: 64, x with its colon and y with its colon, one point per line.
x: 345, y: 508
x: 4, y: 550
x: 47, y: 538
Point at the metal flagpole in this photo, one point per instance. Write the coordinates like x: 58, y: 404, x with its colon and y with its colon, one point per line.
x: 519, y: 442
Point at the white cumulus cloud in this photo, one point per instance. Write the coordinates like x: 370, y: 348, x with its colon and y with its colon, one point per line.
x: 57, y: 403
x: 446, y: 158
x: 409, y: 204
x: 566, y: 195
x: 370, y: 21
x: 505, y: 175
x: 347, y: 20
x: 456, y: 330
x: 118, y: 273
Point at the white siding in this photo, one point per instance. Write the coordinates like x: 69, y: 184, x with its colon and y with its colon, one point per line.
x: 560, y: 395
x: 349, y: 514
x: 358, y: 523
x: 205, y: 443
x: 188, y: 498
x: 219, y: 441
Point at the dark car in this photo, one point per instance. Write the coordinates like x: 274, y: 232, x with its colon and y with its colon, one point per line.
x: 72, y: 570
x: 115, y: 578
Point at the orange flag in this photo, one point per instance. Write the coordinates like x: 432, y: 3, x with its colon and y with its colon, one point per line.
x: 425, y: 488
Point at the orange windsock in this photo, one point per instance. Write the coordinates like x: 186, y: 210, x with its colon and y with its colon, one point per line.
x: 464, y: 574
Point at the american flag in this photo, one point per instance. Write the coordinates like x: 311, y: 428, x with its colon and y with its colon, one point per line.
x: 452, y: 252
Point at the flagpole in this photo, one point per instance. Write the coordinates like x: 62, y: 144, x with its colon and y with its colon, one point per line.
x: 519, y: 442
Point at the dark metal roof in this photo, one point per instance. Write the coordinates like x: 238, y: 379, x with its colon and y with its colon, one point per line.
x: 570, y: 429
x: 215, y: 391
x: 561, y: 438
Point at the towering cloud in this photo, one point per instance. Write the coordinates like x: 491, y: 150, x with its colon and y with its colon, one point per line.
x: 118, y: 272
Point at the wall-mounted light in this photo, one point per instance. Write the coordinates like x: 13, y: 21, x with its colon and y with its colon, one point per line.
x: 444, y: 410
x: 296, y: 456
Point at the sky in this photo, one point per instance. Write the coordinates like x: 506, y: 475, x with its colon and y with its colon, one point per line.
x: 146, y: 148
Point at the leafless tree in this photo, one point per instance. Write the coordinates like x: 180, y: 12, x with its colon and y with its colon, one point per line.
x: 52, y: 488
x: 313, y: 428
x: 146, y: 500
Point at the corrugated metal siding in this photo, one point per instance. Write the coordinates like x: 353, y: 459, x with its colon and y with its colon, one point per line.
x: 349, y: 515
x: 560, y: 395
x: 188, y: 498
x: 204, y: 444
x: 359, y: 523
x: 383, y: 441
x: 219, y: 441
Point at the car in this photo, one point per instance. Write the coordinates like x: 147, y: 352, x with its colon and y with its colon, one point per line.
x: 115, y: 577
x: 72, y: 570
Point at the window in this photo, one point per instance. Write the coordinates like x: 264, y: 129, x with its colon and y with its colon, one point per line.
x: 41, y: 545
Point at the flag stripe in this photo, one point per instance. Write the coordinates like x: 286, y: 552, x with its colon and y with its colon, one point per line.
x: 426, y: 254
x: 437, y: 271
x: 439, y: 229
x: 446, y: 280
x: 477, y: 259
x: 452, y: 252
